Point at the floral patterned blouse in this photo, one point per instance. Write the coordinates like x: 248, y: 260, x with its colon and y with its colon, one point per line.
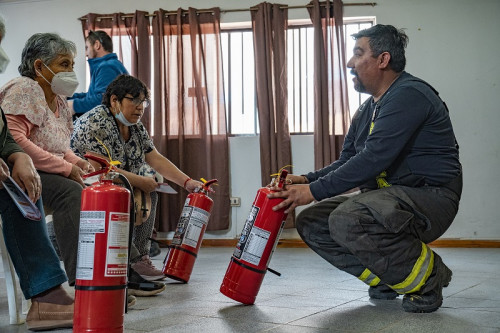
x: 99, y: 123
x: 43, y: 134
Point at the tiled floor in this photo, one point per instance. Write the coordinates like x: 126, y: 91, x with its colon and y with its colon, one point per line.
x: 311, y: 296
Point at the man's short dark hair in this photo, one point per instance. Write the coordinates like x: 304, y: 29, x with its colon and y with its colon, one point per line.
x: 102, y: 37
x: 386, y: 38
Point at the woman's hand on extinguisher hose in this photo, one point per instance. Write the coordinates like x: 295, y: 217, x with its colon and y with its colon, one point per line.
x: 76, y: 175
x: 294, y: 195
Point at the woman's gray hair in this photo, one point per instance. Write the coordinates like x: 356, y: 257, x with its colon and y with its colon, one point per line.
x: 46, y: 47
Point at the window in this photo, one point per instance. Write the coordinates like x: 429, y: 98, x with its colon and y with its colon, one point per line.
x: 239, y: 76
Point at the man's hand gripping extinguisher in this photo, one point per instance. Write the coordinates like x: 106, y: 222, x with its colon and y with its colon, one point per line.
x: 255, y: 247
x: 103, y: 248
x: 183, y: 250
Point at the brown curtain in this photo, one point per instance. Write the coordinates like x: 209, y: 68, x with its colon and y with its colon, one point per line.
x: 269, y: 25
x: 189, y: 123
x: 331, y: 113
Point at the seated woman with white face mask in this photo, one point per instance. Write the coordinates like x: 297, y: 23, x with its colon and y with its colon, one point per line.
x: 36, y: 262
x: 41, y: 122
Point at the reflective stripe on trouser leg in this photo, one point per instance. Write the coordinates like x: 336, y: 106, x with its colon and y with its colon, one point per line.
x: 419, y: 274
x: 369, y: 278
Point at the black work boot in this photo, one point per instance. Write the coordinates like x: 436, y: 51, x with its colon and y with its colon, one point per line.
x: 430, y: 297
x: 382, y: 291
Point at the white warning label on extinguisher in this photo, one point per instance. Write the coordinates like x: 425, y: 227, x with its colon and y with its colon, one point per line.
x: 117, y: 250
x: 198, y: 219
x: 91, y: 222
x: 256, y: 243
x: 190, y: 226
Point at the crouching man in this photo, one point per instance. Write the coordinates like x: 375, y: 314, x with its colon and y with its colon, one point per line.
x: 401, y: 152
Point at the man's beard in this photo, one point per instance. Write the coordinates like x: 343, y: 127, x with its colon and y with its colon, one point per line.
x: 358, y: 85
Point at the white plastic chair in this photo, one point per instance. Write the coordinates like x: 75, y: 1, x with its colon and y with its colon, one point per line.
x: 17, y: 309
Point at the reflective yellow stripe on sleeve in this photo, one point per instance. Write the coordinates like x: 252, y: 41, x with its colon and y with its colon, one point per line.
x: 381, y: 182
x: 419, y: 274
x: 369, y: 278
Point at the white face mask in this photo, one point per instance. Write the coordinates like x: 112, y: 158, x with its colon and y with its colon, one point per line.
x: 4, y: 60
x: 121, y: 118
x: 63, y: 83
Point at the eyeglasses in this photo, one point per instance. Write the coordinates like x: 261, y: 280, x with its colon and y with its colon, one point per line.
x: 93, y: 33
x: 137, y: 101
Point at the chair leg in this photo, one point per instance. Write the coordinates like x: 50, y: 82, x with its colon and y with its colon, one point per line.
x: 13, y: 295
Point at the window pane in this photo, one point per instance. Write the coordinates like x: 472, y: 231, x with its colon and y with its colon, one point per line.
x: 239, y: 76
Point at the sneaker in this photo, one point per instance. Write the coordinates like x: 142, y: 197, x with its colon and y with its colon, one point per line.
x: 46, y: 316
x: 426, y: 301
x: 155, y: 248
x: 382, y: 291
x: 147, y: 270
x: 137, y: 286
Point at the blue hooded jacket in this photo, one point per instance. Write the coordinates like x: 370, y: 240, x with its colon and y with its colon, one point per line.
x: 103, y: 70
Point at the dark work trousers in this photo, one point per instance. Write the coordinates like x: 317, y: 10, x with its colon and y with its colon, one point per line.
x: 63, y: 196
x: 381, y: 230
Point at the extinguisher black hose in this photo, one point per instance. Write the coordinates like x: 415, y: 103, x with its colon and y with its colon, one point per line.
x: 128, y: 186
x: 273, y: 271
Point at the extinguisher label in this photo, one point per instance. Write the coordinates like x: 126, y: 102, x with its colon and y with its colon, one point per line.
x: 117, y: 253
x: 190, y: 226
x: 91, y: 222
x: 257, y: 242
x: 254, y: 211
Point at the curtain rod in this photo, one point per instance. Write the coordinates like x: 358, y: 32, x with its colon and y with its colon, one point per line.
x: 240, y: 10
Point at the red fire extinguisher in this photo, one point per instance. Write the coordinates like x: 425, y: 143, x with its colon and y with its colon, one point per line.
x: 183, y: 250
x: 255, y: 247
x: 101, y: 274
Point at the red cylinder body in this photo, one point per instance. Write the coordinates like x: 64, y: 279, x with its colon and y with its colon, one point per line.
x: 253, y: 252
x: 180, y: 259
x: 101, y: 276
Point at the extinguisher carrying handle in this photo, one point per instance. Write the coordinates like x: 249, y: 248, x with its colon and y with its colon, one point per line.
x: 282, y: 178
x: 105, y: 165
x: 206, y: 185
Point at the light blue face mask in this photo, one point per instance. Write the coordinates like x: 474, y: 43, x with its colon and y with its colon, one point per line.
x: 121, y: 118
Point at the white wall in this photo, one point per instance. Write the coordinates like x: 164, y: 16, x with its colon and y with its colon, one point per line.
x: 454, y: 45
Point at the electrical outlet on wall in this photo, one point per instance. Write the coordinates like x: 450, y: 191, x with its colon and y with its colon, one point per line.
x: 235, y: 201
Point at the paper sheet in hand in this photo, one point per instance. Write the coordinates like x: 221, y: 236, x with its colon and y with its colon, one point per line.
x: 21, y: 199
x: 165, y: 188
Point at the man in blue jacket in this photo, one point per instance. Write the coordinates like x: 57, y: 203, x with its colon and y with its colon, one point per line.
x: 401, y: 152
x: 104, y: 68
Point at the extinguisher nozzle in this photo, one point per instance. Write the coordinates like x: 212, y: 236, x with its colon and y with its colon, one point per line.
x: 273, y: 271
